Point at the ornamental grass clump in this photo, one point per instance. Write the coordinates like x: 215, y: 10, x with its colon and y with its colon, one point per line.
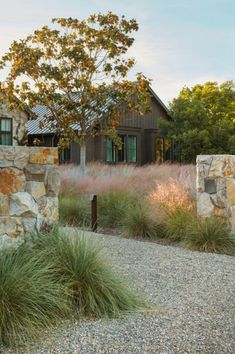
x: 74, y: 210
x: 171, y: 195
x: 210, y: 234
x: 31, y: 298
x: 113, y: 206
x: 177, y: 222
x: 138, y: 223
x: 81, y: 267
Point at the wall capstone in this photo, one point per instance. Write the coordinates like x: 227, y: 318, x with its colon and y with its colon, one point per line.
x: 29, y: 188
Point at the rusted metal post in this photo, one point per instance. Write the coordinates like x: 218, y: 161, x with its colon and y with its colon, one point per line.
x: 94, y: 213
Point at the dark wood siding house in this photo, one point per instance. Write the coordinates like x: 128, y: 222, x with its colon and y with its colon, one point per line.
x: 141, y: 142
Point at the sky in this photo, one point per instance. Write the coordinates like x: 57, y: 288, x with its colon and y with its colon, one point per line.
x: 179, y: 42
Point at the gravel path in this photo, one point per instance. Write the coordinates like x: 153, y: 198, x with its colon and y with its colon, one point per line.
x: 192, y: 295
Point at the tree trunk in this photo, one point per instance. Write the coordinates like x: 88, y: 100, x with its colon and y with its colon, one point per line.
x: 83, y: 156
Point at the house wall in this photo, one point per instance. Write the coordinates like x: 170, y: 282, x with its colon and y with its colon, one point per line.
x: 19, y: 120
x: 145, y: 128
x: 148, y: 121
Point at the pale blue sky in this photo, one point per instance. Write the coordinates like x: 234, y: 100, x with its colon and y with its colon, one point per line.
x: 180, y: 42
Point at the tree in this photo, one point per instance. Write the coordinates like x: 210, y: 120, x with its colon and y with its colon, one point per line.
x: 203, y: 121
x: 78, y: 70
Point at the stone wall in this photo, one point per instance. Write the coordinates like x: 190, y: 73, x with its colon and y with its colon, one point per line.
x: 216, y: 186
x: 29, y: 187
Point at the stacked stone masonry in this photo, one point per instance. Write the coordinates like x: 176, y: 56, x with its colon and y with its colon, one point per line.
x: 216, y: 186
x: 29, y: 187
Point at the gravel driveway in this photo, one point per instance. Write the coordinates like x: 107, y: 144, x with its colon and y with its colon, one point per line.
x: 193, y: 299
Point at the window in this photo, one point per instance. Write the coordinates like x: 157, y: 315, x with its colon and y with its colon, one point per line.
x: 127, y: 153
x: 5, y: 131
x: 65, y: 155
x: 131, y: 149
x: 110, y: 151
x: 163, y: 149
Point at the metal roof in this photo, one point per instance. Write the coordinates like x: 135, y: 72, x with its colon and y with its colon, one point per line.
x: 41, y: 125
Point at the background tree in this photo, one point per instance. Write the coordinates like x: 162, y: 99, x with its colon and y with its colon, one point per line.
x: 203, y: 121
x: 78, y: 70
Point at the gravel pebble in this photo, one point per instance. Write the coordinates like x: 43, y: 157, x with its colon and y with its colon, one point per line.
x: 192, y: 299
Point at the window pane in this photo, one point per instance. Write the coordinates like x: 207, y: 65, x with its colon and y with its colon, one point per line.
x: 65, y: 155
x: 5, y: 125
x: 110, y: 151
x: 131, y: 149
x: 5, y: 139
x: 121, y: 154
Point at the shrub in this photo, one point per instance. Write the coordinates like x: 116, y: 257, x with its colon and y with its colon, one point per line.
x: 177, y: 223
x: 210, y: 234
x: 79, y: 265
x: 112, y: 207
x: 74, y: 210
x: 30, y: 297
x: 139, y: 223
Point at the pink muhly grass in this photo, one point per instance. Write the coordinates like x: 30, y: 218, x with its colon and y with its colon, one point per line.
x: 99, y: 178
x: 171, y: 195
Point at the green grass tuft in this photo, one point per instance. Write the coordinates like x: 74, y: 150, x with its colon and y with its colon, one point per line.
x: 74, y: 210
x: 112, y: 207
x: 30, y: 296
x: 177, y: 223
x: 210, y: 234
x: 138, y: 223
x: 80, y: 266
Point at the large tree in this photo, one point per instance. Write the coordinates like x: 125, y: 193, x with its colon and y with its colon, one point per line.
x: 203, y: 121
x: 78, y: 70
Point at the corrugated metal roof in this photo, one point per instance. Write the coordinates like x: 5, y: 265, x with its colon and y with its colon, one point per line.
x: 41, y: 125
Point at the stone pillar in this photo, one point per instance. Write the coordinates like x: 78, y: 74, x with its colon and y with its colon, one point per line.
x: 216, y: 186
x: 29, y: 187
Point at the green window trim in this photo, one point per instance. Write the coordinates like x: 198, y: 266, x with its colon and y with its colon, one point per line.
x: 5, y: 131
x: 128, y: 152
x: 131, y: 149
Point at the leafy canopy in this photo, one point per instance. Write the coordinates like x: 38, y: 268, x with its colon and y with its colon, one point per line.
x: 76, y: 70
x: 203, y: 120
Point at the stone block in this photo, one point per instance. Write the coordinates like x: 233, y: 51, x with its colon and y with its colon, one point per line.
x: 204, y: 204
x: 215, y: 166
x: 4, y: 204
x: 11, y: 226
x: 10, y: 242
x: 231, y: 191
x: 29, y: 224
x: 35, y: 189
x: 23, y: 204
x: 43, y: 155
x: 12, y: 180
x: 34, y: 172
x: 52, y: 181
x: 50, y: 211
x: 21, y: 156
x: 7, y: 155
